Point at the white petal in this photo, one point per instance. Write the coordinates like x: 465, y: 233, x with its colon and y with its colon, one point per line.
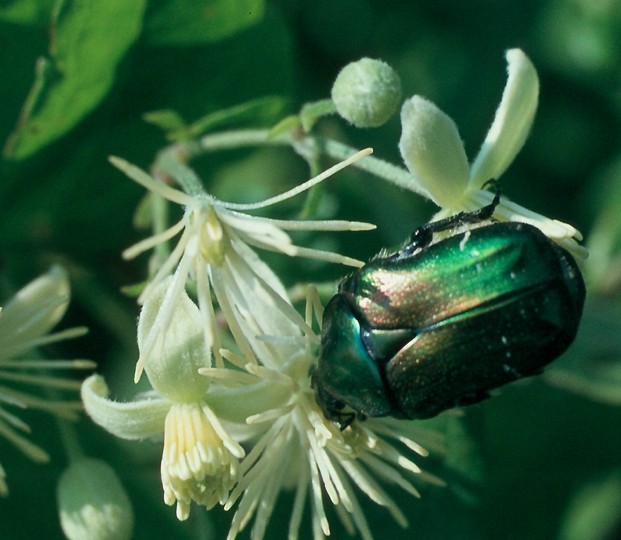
x: 174, y: 286
x: 302, y: 187
x: 147, y: 181
x: 562, y: 233
x: 260, y: 230
x: 258, y: 266
x: 433, y: 152
x: 258, y: 309
x: 296, y: 225
x: 133, y: 420
x: 512, y: 122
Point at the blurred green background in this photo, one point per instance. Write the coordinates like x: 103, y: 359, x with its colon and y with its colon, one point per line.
x: 541, y: 461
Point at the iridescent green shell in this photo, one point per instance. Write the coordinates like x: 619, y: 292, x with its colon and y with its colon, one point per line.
x: 413, y: 336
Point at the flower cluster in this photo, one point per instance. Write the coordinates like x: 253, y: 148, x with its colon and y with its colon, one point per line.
x: 24, y: 325
x: 213, y: 404
x: 241, y: 423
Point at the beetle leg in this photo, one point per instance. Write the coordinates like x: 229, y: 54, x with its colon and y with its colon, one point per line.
x: 423, y: 235
x: 346, y: 419
x: 482, y: 214
x: 486, y: 212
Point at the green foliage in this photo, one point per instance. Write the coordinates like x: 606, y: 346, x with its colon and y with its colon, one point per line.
x: 541, y: 461
x: 188, y: 22
x: 78, y: 71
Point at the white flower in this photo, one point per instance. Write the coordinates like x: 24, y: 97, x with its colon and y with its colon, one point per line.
x: 214, y: 253
x: 24, y: 325
x: 299, y: 450
x: 271, y: 412
x: 295, y: 448
x: 434, y: 154
x: 199, y: 460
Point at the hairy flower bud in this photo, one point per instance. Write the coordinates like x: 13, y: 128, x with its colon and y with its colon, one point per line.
x: 367, y: 92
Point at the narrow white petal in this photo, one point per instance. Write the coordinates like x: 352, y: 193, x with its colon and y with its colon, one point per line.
x: 259, y: 231
x: 298, y: 251
x: 329, y: 477
x: 433, y: 152
x: 168, y: 266
x: 302, y: 187
x: 250, y: 310
x: 357, y: 513
x: 224, y: 289
x: 320, y: 520
x: 298, y: 225
x: 562, y: 233
x: 299, y: 502
x: 263, y: 293
x: 512, y: 123
x: 205, y: 304
x: 552, y: 228
x: 328, y: 256
x: 147, y: 181
x: 152, y: 241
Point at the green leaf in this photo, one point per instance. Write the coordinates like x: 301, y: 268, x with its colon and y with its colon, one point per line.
x: 256, y: 109
x: 83, y: 57
x: 192, y: 22
x: 27, y: 12
x: 165, y: 119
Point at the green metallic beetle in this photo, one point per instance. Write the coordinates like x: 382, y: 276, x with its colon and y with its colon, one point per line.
x: 440, y: 323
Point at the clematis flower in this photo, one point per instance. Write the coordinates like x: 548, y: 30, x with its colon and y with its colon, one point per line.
x: 24, y: 325
x: 242, y: 437
x: 297, y: 452
x: 434, y: 154
x: 199, y: 460
x: 293, y: 449
x: 214, y: 254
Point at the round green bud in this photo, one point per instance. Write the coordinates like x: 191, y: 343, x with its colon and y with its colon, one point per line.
x: 367, y: 92
x: 92, y: 503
